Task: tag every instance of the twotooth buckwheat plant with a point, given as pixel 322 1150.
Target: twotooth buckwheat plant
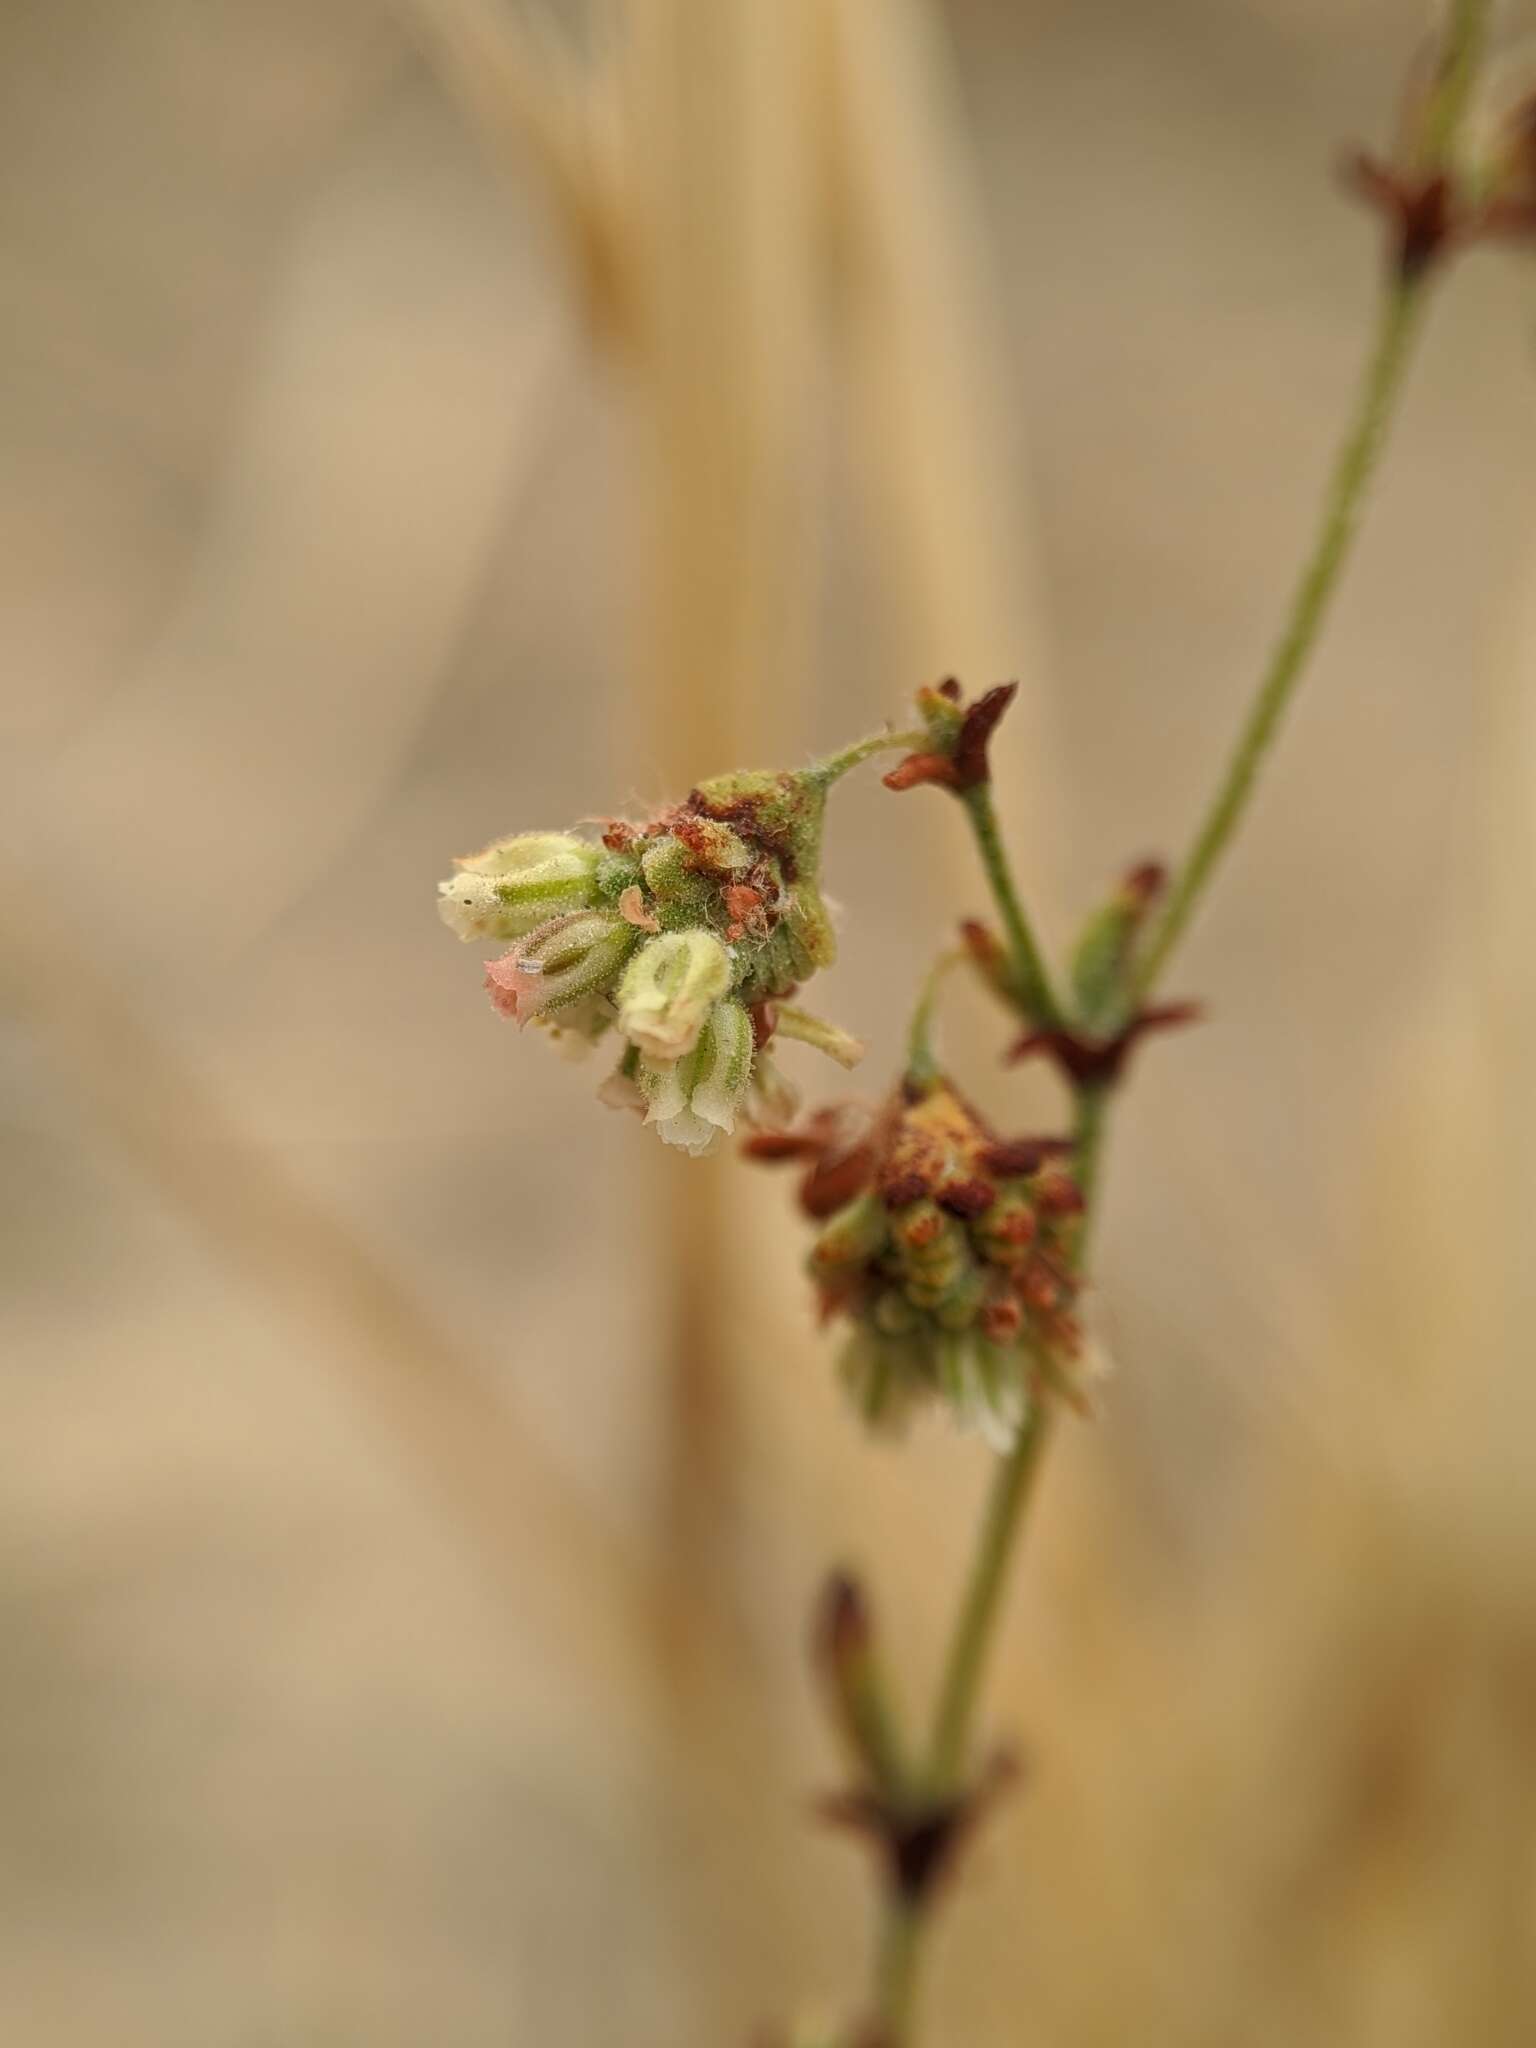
pixel 951 1256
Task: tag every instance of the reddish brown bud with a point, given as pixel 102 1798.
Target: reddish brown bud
pixel 741 899
pixel 843 1630
pixel 1059 1195
pixel 1145 883
pixel 967 1197
pixel 1002 1318
pixel 1012 1157
pixel 920 1230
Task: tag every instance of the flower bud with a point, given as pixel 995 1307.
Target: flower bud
pixel 844 1650
pixel 515 885
pixel 856 1234
pixel 563 962
pixel 1102 954
pixel 952 1252
pixel 678 886
pixel 668 989
pixel 692 1100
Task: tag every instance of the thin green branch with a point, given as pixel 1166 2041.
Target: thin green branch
pixel 1011 1490
pixel 922 1061
pixel 896 1972
pixel 978 1612
pixel 1013 1484
pixel 975 1628
pixel 1400 310
pixel 828 769
pixel 1030 971
pixel 1398 323
pixel 1461 57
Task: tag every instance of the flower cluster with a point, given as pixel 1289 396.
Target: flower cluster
pixel 679 939
pixel 949 1250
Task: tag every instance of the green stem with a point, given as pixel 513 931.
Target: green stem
pixel 1397 326
pixel 1003 1517
pixel 1031 973
pixel 1466 37
pixel 828 769
pixel 896 1972
pixel 1088 1132
pixel 922 1062
pixel 1012 1488
pixel 978 1613
pixel 1013 1484
pixel 1401 306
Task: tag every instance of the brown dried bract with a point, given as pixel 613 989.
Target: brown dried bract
pixel 964 763
pixel 1101 1061
pixel 918 1841
pixel 838 1146
pixel 1418 206
pixel 976 730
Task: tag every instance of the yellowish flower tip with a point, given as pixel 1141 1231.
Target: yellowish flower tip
pixel 511 887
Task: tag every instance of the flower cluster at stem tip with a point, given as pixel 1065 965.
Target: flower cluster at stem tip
pixel 949 1251
pixel 678 940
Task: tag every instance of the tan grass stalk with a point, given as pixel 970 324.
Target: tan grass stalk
pixel 537 104
pixel 588 1596
pixel 936 454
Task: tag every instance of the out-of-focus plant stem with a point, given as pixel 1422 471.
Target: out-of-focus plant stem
pixel 1002 1521
pixel 1030 972
pixel 1401 307
pixel 1398 323
pixel 1399 319
pixel 896 1972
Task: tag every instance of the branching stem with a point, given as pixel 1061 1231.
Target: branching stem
pixel 943 1772
pixel 831 766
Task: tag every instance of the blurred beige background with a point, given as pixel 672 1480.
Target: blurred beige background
pixel 412 1488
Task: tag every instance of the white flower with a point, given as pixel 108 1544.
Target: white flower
pixel 694 1100
pixel 668 989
